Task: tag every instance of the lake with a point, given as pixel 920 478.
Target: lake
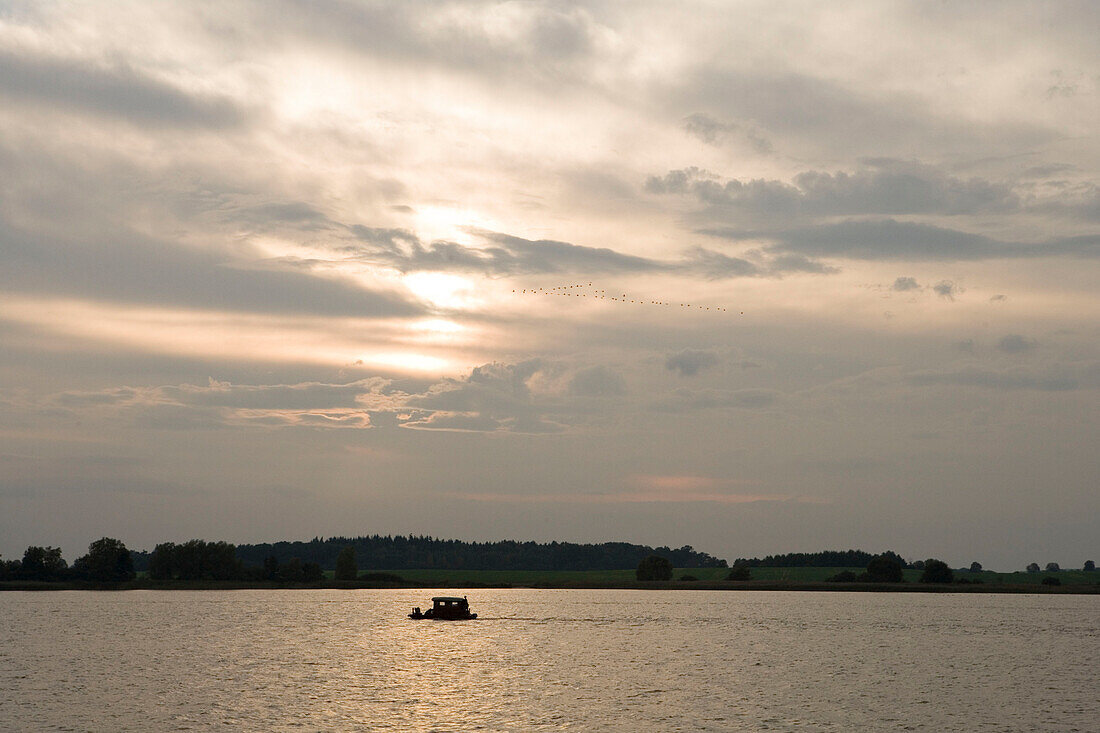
pixel 583 660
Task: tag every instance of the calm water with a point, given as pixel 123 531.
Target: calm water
pixel 548 660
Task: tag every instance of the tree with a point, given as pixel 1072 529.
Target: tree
pixel 1052 567
pixel 195 560
pixel 654 567
pixel 975 567
pixel 107 561
pixel 1033 567
pixel 292 571
pixel 9 569
pixel 739 571
pixel 1089 566
pixel 42 563
pixel 346 569
pixel 271 568
pixel 936 571
pixel 162 562
pixel 884 569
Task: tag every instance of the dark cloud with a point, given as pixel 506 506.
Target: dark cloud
pixel 888 239
pixel 1014 343
pixel 510 255
pixel 135 269
pixel 296 212
pixel 904 284
pixel 507 255
pixel 1046 171
pixel 883 186
pixel 882 239
pixel 117 91
pixel 946 289
pixel 596 381
pixel 690 362
pixel 462 422
pixel 714 132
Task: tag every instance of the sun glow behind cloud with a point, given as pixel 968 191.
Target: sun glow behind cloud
pixel 244 337
pixel 443 290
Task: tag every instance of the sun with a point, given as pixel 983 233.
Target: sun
pixel 441 289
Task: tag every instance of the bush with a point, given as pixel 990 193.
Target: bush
pixel 654 567
pixel 688 577
pixel 884 569
pixel 936 571
pixel 1051 580
pixel 739 572
pixel 844 576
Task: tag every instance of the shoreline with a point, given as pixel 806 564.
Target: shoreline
pixel 709 585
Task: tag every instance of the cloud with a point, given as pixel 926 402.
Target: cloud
pixel 946 289
pixel 532 396
pixel 682 400
pixel 541 45
pixel 883 187
pixel 1058 380
pixel 130 268
pixel 690 362
pixel 505 255
pixel 222 404
pixel 714 132
pixel 817 112
pixel 511 255
pixel 630 497
pixel 119 91
pixel 905 284
pixel 889 239
pixel 1014 343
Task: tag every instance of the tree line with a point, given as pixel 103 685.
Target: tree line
pixel 399 552
pixel 824 559
pixel 107 561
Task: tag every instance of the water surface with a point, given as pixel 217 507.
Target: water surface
pixel 584 660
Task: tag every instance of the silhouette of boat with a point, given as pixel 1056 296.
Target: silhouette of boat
pixel 446 608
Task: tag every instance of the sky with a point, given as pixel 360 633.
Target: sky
pixel 756 277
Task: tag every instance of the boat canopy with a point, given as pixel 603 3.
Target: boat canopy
pixel 447 599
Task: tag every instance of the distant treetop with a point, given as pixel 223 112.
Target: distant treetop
pixel 823 559
pixel 402 552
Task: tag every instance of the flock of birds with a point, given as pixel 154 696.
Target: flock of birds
pixel 585 291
